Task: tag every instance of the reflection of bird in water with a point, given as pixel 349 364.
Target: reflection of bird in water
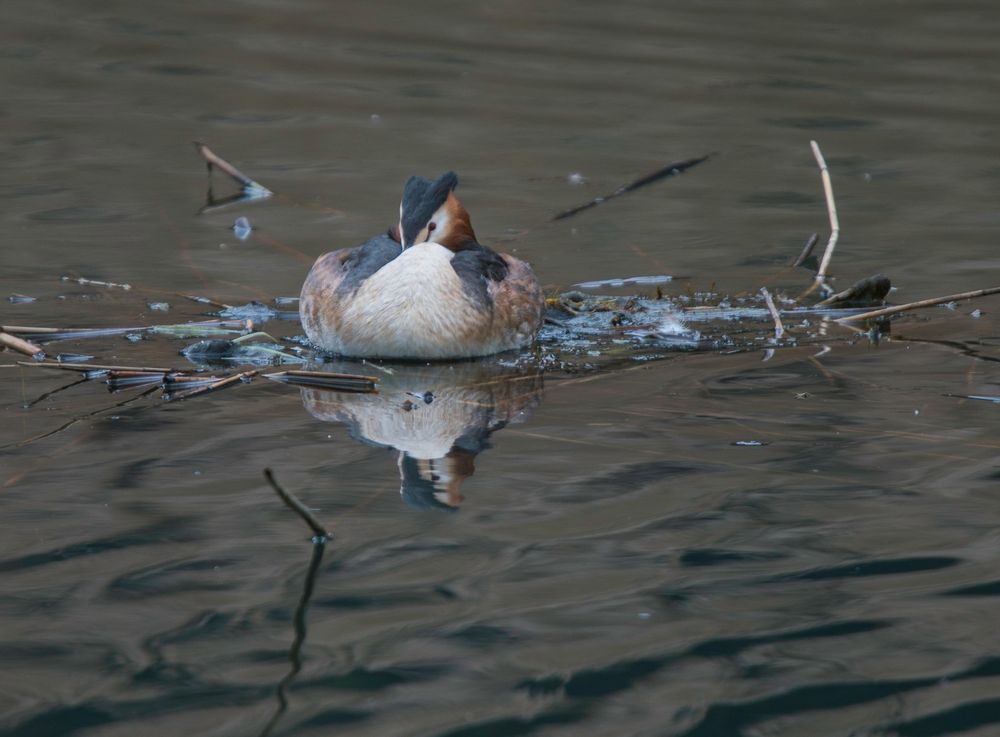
pixel 438 416
pixel 427 289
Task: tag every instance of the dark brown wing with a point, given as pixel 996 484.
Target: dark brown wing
pixel 317 303
pixel 478 266
pixel 335 276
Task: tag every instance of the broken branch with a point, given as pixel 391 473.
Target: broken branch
pixel 921 303
pixel 86 367
pixel 21 346
pixel 249 186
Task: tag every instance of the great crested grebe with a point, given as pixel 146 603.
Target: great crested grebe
pixel 426 289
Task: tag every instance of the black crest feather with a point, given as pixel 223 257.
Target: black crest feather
pixel 421 199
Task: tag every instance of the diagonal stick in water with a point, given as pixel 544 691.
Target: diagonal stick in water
pixel 669 170
pixel 296 506
pixel 920 303
pixel 249 186
pixel 21 346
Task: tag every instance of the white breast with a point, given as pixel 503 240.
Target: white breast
pixel 414 306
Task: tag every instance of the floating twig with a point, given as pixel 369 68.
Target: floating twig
pixel 24 329
pixel 831 208
pixel 249 189
pixel 128 379
pixel 921 303
pixel 980 397
pixel 779 328
pixel 176 380
pixel 200 328
pixel 21 346
pixel 667 171
pixel 95 282
pixel 242 377
pixel 298 507
pixel 87 367
pixel 205 301
pixel 79 333
pixel 326 380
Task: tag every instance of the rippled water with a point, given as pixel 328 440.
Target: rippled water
pixel 707 544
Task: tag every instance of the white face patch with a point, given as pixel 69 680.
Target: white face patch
pixel 442 222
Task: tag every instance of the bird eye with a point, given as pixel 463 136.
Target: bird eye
pixel 431 227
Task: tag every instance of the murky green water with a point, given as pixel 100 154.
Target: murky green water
pixel 705 545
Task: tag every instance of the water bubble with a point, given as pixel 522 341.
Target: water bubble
pixel 242 228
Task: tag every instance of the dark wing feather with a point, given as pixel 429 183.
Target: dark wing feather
pixel 477 266
pixel 366 259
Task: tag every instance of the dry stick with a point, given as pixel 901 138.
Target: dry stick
pixel 94 282
pixel 212 159
pixel 831 208
pixel 21 346
pixel 779 328
pixel 94 367
pixel 220 384
pixel 204 301
pixel 326 380
pixel 26 329
pixel 922 303
pixel 296 506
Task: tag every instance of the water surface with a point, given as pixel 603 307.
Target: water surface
pixel 706 544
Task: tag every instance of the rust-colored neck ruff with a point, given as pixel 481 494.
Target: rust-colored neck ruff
pixel 460 232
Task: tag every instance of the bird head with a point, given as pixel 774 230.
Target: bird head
pixel 430 213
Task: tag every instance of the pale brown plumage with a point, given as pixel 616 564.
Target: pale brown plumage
pixel 438 294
